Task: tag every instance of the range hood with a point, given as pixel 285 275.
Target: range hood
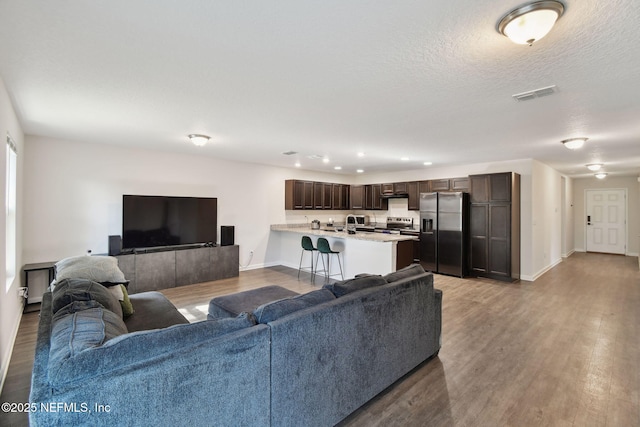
pixel 394 195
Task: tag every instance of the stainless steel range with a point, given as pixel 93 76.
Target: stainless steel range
pixel 399 225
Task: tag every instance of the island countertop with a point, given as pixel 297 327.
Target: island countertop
pixel 370 236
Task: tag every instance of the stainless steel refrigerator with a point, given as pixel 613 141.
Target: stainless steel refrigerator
pixel 444 235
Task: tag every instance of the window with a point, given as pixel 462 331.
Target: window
pixel 10 203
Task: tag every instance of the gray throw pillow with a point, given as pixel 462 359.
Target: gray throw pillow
pixel 70 290
pixel 356 284
pixel 101 269
pixel 274 310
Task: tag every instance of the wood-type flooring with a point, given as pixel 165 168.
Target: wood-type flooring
pixel 561 351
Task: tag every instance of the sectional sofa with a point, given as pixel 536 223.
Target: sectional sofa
pixel 307 360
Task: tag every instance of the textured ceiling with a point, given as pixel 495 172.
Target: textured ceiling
pixel 431 81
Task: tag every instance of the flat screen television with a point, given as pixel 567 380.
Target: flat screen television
pixel 153 221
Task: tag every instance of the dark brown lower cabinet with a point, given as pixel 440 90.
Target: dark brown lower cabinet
pixel 404 253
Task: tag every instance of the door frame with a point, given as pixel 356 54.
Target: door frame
pixel 626 217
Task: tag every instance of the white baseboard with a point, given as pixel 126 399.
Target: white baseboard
pixel 541 272
pixel 569 254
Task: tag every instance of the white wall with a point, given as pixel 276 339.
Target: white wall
pixel 10 302
pixel 73 199
pixel 568 214
pixel 546 222
pixel 631 184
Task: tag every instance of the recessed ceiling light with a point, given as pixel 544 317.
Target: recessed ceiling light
pixel 337 168
pixel 360 170
pixel 198 139
pixel 601 175
pixel 574 143
pixel 297 164
pixel 427 163
pixel 361 154
pixel 404 159
pixel 594 166
pixel 325 160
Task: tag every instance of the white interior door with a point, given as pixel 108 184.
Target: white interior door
pixel 606 221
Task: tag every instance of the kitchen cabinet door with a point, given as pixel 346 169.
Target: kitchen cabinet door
pixel 414 196
pixel 356 197
pixel 298 194
pixel 440 185
pixel 459 184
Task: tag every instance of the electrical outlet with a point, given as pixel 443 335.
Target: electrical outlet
pixel 23 292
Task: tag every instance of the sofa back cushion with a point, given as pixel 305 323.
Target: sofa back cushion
pixel 345 287
pixel 274 310
pixel 403 273
pixel 79 326
pixel 70 290
pixel 138 349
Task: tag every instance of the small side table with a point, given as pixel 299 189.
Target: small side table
pixel 40 266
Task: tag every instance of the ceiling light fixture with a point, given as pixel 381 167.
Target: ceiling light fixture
pixel 360 170
pixel 325 160
pixel 427 163
pixel 574 143
pixel 297 164
pixel 531 22
pixel 601 175
pixel 199 140
pixel 404 159
pixel 337 168
pixel 594 166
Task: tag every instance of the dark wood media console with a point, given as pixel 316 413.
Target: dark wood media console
pixel 153 271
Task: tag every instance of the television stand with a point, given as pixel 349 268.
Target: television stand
pixel 172 266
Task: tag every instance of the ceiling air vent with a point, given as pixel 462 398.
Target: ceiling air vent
pixel 536 93
pixel 290 153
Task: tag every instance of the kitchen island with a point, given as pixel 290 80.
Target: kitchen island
pixel 363 252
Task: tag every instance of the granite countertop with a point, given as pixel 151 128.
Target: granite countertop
pixel 331 232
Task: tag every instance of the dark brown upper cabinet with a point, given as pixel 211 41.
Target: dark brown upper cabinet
pixel 414 196
pixel 356 197
pixel 298 194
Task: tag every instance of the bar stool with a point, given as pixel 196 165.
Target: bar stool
pixel 325 249
pixel 307 246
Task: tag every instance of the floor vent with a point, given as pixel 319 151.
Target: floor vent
pixel 536 93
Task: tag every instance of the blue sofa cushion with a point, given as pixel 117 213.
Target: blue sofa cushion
pixel 80 326
pixel 70 290
pixel 245 302
pixel 345 287
pixel 408 271
pixel 274 310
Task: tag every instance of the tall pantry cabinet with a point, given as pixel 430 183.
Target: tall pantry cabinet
pixel 495 225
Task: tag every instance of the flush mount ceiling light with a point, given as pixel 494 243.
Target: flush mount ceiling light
pixel 531 22
pixel 594 166
pixel 199 140
pixel 574 143
pixel 601 175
